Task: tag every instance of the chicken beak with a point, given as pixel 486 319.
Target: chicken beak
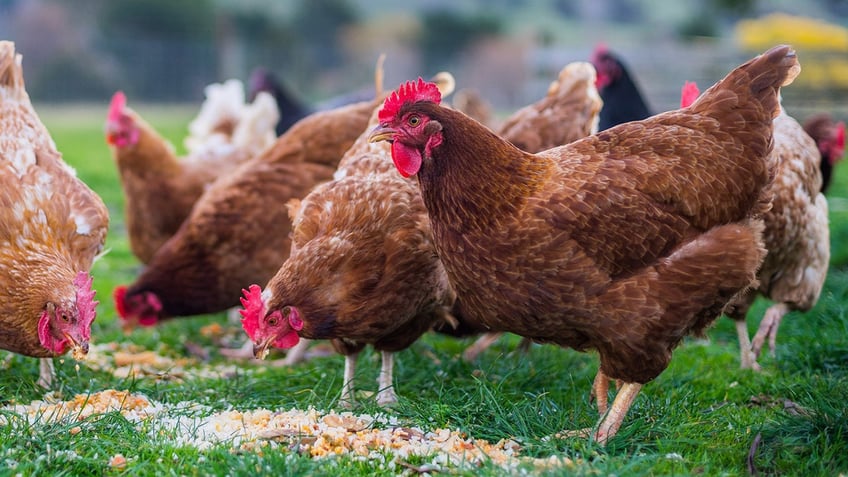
pixel 381 133
pixel 79 350
pixel 261 350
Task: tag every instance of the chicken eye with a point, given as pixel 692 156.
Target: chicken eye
pixel 414 121
pixel 273 320
pixel 65 317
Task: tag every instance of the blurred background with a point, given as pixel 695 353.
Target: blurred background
pixel 166 51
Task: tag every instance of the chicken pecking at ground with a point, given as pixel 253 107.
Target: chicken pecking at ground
pixel 52 226
pixel 623 242
pixel 362 268
pixel 622 98
pixel 239 230
pixel 159 188
pixel 796 236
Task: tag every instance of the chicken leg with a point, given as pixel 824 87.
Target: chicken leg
pixel 747 358
pixel 768 328
pixel 385 388
pixel 347 385
pixel 46 373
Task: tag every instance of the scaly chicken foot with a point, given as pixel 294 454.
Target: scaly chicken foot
pixel 747 358
pixel 611 422
pixel 386 390
pixel 768 328
pixel 45 373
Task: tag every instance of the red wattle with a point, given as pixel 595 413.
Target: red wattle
pixel 407 160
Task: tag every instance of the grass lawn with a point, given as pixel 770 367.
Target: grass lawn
pixel 701 416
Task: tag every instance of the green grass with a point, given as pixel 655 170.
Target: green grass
pixel 699 417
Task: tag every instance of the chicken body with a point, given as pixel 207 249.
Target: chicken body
pixel 52 226
pixel 796 236
pixel 159 188
pixel 568 112
pixel 624 242
pixel 238 232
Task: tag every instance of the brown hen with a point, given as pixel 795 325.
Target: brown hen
pixel 623 242
pixel 52 226
pixel 796 236
pixel 362 268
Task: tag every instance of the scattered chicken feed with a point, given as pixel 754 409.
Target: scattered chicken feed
pixel 311 432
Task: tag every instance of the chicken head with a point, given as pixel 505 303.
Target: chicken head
pixel 67 323
pixel 278 328
pixel 142 308
pixel 121 130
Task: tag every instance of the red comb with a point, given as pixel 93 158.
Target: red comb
pixel 840 135
pixel 253 310
pixel 411 91
pixel 119 295
pixel 689 94
pixel 116 107
pixel 85 303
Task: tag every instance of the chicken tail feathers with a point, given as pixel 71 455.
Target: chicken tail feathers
pixel 753 85
pixel 11 72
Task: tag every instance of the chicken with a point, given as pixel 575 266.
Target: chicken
pixel 52 226
pixel 238 232
pixel 568 112
pixel 159 188
pixel 796 236
pixel 622 98
pixel 623 242
pixel 362 268
pixel 830 139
